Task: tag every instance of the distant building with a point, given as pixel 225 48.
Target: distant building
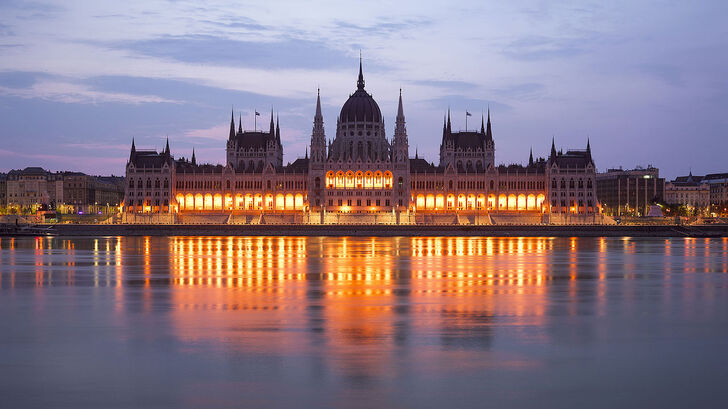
pixel 691 191
pixel 630 192
pixel 3 190
pixel 81 190
pixel 718 183
pixel 34 187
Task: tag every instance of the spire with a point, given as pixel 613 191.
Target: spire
pixel 166 148
pixel 278 130
pixel 530 157
pixel 588 149
pixel 488 132
pixel 232 124
pixel 417 155
pixel 240 124
pixel 360 81
pixel 306 157
pixel 133 148
pixel 272 124
pixel 400 110
pixel 449 125
pixel 553 148
pixel 318 105
pixel 482 126
pixel 194 161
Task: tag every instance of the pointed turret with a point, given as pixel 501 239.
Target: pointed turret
pixel 400 111
pixel 194 161
pixel 553 148
pixel 449 125
pixel 530 158
pixel 133 149
pixel 306 157
pixel 488 131
pixel 272 125
pixel 360 81
pixel 278 130
pixel 240 124
pixel 166 147
pixel 588 149
pixel 232 125
pixel 318 107
pixel 399 127
pixel 482 124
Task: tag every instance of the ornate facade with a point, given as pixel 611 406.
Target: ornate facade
pixel 363 176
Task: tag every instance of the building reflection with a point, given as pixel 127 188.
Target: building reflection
pixel 363 303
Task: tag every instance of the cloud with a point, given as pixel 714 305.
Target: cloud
pixel 74 93
pixel 534 48
pixel 449 85
pixel 207 49
pixel 524 91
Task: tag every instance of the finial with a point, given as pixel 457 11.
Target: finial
pixel 360 81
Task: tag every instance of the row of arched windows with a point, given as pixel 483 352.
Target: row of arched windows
pixel 140 183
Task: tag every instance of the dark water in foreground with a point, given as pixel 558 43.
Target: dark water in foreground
pixel 363 322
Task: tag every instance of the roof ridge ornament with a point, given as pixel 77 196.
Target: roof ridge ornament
pixel 360 81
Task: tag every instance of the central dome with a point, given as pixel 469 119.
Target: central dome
pixel 360 107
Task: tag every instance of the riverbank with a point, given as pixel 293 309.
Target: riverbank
pixel 389 230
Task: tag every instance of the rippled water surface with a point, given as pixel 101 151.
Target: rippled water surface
pixel 196 322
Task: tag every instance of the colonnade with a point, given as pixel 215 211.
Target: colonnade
pixel 491 202
pixel 250 201
pixel 359 180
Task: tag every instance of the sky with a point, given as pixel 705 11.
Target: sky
pixel 644 81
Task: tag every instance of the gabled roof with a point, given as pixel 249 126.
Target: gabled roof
pixel 252 139
pixel 300 165
pixel 572 159
pixel 149 159
pixel 184 166
pixel 419 165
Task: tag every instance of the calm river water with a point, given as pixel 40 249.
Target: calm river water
pixel 198 322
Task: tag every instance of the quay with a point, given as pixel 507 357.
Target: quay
pixel 698 231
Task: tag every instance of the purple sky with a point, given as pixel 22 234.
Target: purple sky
pixel 645 81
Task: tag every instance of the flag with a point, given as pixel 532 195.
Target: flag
pixel 468 113
pixel 257 113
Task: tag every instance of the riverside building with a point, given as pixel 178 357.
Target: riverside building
pixel 361 176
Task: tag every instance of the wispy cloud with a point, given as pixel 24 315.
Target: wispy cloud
pixel 72 93
pixel 208 49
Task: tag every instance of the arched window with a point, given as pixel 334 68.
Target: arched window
pixel 227 184
pixel 491 185
pixel 563 183
pixel 451 184
pixel 140 183
pixel 588 184
pixel 581 183
pixel 131 183
pixel 553 183
pixel 156 184
pixel 166 183
pixel 269 184
pixel 571 183
pixel 149 183
pixel 317 182
pixel 400 182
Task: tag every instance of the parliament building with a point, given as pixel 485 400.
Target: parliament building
pixel 361 176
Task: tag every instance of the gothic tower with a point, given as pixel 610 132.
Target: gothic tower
pixel 400 159
pixel 317 159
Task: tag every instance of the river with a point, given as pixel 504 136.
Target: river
pixel 330 322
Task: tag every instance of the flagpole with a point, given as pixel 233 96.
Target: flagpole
pixel 466 121
pixel 255 120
